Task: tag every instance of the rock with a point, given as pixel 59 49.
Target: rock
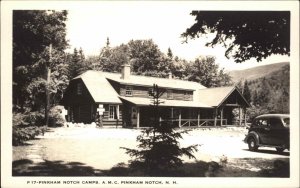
pixel 213 168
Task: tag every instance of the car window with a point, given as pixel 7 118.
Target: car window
pixel 275 123
pixel 260 122
pixel 286 122
pixel 264 122
pixel 257 123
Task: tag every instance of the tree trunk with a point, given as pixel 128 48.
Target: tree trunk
pixel 47 86
pixel 47 96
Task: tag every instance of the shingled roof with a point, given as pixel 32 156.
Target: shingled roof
pixel 102 91
pixel 149 81
pixel 99 88
pixel 171 103
pixel 216 96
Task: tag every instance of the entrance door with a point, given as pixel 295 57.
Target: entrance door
pixel 146 116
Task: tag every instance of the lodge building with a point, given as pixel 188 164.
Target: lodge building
pixel 124 100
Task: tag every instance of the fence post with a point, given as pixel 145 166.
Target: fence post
pixel 198 117
pixel 245 109
pixel 221 123
pixel 179 122
pixel 215 118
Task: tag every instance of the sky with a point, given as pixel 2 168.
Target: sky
pixel 89 29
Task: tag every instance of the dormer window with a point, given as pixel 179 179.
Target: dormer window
pixel 128 91
pixel 186 95
pixel 150 92
pixel 169 94
pixel 79 89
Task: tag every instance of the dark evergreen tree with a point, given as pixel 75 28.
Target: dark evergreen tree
pixel 74 64
pixel 159 152
pixel 170 53
pixel 255 99
pixel 105 58
pixel 247 93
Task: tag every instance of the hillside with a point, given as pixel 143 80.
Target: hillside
pixel 256 72
pixel 270 93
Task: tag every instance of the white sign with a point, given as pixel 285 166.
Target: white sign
pixel 100 109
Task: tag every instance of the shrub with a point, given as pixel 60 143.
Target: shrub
pixel 26 126
pixel 35 118
pixel 55 117
pixel 28 119
pixel 23 134
pixel 19 120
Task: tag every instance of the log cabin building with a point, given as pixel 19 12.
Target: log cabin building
pixel 124 100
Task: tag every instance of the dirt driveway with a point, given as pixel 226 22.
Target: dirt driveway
pixel 100 147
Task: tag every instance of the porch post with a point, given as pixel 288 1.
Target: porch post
pixel 189 117
pixel 245 109
pixel 198 117
pixel 69 114
pixel 172 114
pixel 221 116
pixel 118 111
pixel 216 114
pixel 240 118
pixel 179 122
pixel 137 117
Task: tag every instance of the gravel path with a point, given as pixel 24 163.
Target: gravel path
pixel 100 147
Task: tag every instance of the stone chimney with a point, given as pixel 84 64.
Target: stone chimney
pixel 125 74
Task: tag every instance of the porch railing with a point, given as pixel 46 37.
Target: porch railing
pixel 195 122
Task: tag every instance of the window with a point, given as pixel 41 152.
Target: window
pixel 113 112
pixel 150 92
pixel 169 94
pixel 128 91
pixel 186 95
pixel 79 89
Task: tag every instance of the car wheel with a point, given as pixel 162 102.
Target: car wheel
pixel 280 150
pixel 252 145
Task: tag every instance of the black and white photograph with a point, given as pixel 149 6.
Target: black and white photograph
pixel 150 94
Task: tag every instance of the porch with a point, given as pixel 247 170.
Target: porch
pixel 190 117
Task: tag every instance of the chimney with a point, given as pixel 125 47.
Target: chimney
pixel 170 75
pixel 125 74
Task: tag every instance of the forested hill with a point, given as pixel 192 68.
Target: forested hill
pixel 270 93
pixel 256 72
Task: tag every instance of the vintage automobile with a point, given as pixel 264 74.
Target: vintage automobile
pixel 269 130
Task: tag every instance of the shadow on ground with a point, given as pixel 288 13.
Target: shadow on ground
pixel 266 151
pixel 256 167
pixel 238 168
pixel 27 167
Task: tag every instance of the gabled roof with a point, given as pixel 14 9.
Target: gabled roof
pixel 149 81
pixel 139 101
pixel 99 88
pixel 103 92
pixel 216 96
